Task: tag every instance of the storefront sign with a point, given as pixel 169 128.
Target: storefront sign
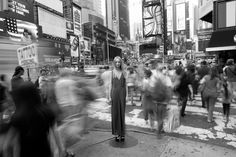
pixel 28 56
pixel 21 9
pixel 77 21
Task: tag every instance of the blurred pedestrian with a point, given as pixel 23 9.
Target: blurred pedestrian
pixel 31 123
pixel 230 73
pixel 211 83
pixel 161 92
pixel 17 80
pixel 118 99
pixel 6 101
pixel 202 71
pixel 183 88
pixel 131 83
pixel 42 78
pixel 147 102
pixel 227 96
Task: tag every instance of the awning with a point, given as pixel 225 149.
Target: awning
pixel 222 41
pixel 207 17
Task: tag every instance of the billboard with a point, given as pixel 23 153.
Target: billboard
pixel 48 25
pixel 74 42
pixel 151 19
pixel 18 30
pixel 180 17
pixel 169 18
pixel 21 9
pixel 56 5
pixel 77 21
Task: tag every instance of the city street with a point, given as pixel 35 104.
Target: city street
pixel 195 135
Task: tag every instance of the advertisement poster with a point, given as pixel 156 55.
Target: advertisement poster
pixel 77 21
pixel 180 17
pixel 28 56
pixel 74 42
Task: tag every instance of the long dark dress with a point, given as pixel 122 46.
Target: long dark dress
pixel 118 99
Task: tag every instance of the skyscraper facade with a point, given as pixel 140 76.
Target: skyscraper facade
pixel 117 17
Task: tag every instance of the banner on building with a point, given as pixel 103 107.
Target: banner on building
pixel 28 56
pixel 77 21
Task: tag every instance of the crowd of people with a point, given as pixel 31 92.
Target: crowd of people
pixel 34 112
pixel 31 112
pixel 160 83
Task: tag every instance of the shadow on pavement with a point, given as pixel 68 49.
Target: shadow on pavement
pixel 129 142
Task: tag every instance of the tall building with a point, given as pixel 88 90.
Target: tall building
pixel 97 6
pixel 205 27
pixel 117 17
pixel 182 25
pixel 135 15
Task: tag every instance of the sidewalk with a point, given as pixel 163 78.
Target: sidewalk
pixel 101 143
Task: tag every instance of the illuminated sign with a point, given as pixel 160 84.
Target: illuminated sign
pixel 21 9
pixel 77 21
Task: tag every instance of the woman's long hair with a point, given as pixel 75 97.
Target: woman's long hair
pixel 122 63
pixel 213 73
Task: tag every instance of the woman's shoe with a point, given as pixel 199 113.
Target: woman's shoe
pixel 117 138
pixel 122 138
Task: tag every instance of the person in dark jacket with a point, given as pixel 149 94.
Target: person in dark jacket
pixel 32 121
pixel 16 78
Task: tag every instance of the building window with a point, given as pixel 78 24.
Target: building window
pixel 226 14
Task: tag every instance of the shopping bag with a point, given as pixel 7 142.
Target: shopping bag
pixel 173 119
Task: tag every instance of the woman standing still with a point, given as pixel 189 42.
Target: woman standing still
pixel 118 100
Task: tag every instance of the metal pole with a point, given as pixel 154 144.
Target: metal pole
pixel 164 27
pixel 108 53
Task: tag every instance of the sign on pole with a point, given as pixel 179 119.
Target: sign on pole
pixel 28 56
